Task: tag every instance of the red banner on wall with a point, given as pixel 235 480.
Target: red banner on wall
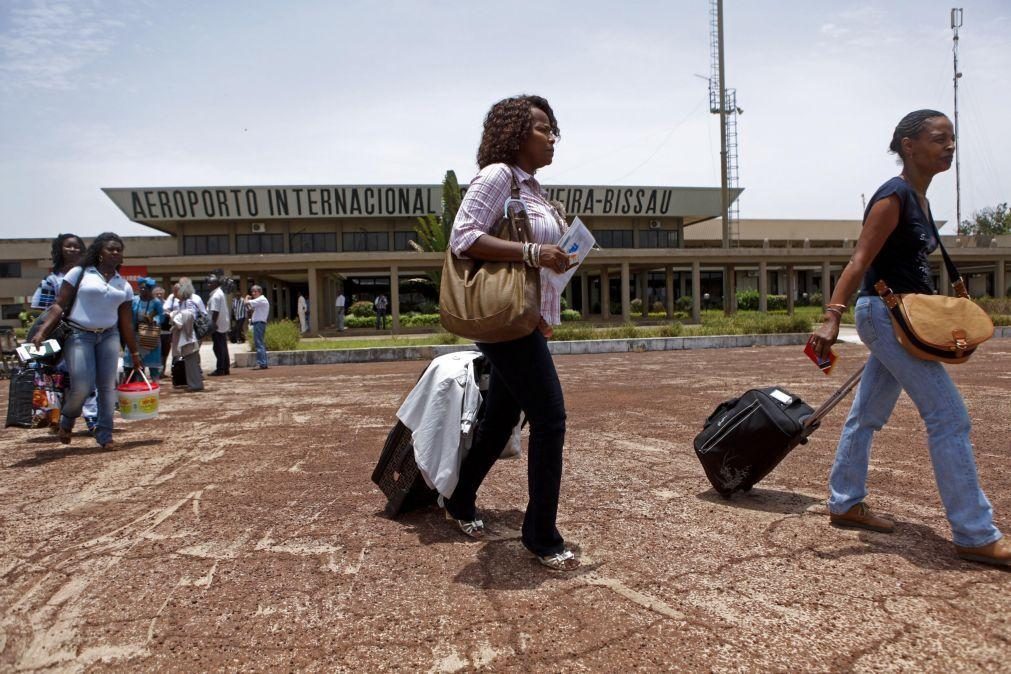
pixel 131 274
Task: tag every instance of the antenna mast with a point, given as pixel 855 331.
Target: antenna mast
pixel 956 23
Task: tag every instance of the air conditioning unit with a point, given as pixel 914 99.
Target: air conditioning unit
pixel 654 224
pixel 258 227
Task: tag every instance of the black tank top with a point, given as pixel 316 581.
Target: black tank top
pixel 903 261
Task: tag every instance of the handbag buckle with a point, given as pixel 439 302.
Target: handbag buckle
pixel 960 340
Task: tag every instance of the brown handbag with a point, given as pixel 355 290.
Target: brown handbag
pixel 937 327
pixel 492 301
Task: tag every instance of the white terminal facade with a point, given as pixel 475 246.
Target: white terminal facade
pixel 657 243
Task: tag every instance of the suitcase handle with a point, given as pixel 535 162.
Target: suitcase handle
pixel 812 421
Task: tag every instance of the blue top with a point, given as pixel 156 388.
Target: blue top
pixel 45 294
pixel 97 304
pixel 151 308
pixel 903 260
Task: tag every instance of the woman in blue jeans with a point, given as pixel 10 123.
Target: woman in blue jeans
pixel 101 310
pixel 519 138
pixel 898 235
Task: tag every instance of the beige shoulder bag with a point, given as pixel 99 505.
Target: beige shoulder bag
pixel 492 301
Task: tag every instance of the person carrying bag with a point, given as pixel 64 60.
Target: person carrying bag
pixel 891 260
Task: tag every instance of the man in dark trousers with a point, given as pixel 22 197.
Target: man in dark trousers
pixel 217 306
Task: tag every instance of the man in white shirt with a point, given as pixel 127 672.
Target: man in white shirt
pixel 259 309
pixel 340 311
pixel 381 304
pixel 217 305
pixel 303 314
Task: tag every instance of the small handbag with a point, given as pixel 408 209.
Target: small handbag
pixel 61 331
pixel 492 301
pixel 148 334
pixel 937 327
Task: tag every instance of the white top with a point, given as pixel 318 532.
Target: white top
pixel 261 309
pixel 340 300
pixel 302 305
pixel 219 303
pixel 96 306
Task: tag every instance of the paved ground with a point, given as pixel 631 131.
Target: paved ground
pixel 240 531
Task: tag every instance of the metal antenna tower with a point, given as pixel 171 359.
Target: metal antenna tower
pixel 956 23
pixel 723 101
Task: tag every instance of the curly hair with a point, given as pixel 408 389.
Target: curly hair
pixel 90 258
pixel 911 126
pixel 56 254
pixel 507 125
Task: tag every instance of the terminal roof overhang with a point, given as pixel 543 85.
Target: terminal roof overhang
pixel 165 208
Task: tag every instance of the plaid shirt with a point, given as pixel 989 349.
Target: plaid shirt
pixel 481 211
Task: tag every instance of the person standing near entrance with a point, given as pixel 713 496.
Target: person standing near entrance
pixel 303 314
pixel 340 310
pixel 238 335
pixel 217 305
pixel 381 305
pixel 259 309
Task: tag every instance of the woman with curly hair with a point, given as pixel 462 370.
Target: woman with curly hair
pixel 101 311
pixel 519 138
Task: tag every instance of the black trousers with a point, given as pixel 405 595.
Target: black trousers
pixel 220 342
pixel 523 377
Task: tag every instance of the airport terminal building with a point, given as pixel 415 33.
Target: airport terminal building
pixel 656 243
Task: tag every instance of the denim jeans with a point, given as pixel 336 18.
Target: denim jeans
pixel 523 377
pixel 93 361
pixel 259 333
pixel 890 370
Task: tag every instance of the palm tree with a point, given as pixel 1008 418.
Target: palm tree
pixel 432 230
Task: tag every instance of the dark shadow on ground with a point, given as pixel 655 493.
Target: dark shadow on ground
pixel 765 500
pixel 66 451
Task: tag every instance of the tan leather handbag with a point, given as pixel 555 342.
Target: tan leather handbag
pixel 937 327
pixel 492 301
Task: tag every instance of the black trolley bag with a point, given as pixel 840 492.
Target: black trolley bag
pixel 745 438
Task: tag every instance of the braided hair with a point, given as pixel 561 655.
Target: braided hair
pixel 910 126
pixel 56 254
pixel 507 125
pixel 90 258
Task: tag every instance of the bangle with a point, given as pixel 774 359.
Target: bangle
pixel 833 309
pixel 841 307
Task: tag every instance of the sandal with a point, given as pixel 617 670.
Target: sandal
pixel 64 435
pixel 474 528
pixel 560 561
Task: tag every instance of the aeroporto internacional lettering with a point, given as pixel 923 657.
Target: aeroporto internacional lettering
pixel 656 243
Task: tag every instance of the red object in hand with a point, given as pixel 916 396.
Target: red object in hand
pixel 825 365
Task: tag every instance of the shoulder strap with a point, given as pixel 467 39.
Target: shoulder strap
pixel 953 276
pixel 73 299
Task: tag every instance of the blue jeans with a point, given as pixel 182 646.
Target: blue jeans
pixel 93 362
pixel 890 370
pixel 259 331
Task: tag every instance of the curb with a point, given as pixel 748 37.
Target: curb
pixel 639 345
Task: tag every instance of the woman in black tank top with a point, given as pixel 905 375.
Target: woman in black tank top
pixel 897 238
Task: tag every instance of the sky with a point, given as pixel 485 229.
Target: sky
pixel 159 93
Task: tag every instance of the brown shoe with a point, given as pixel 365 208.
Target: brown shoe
pixel 860 517
pixel 997 553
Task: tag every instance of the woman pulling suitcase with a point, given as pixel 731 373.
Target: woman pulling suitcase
pixel 898 235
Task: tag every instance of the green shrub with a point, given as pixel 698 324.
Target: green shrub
pixel 995 305
pixel 637 306
pixel 814 300
pixel 674 329
pixel 413 320
pixel 683 303
pixel 658 308
pixel 571 315
pixel 447 337
pixel 565 303
pixel 775 302
pixel 362 309
pixel 282 335
pixel 428 308
pixel 353 321
pixel 571 333
pixel 747 300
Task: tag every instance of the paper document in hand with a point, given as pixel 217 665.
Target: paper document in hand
pixel 577 242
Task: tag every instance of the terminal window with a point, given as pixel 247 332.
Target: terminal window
pixel 358 242
pixel 658 238
pixel 314 242
pixel 400 240
pixel 614 238
pixel 10 270
pixel 205 244
pixel 11 312
pixel 259 243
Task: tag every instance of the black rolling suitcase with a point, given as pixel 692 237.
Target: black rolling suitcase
pixel 745 438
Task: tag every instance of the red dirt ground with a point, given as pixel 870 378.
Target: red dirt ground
pixel 240 530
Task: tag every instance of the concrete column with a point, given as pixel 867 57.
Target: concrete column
pixel 643 291
pixel 626 294
pixel 683 283
pixel 395 298
pixel 605 294
pixel 568 293
pixel 999 280
pixel 826 283
pixel 763 286
pixel 315 300
pixel 945 288
pixel 791 288
pixel 729 290
pixel 696 292
pixel 668 277
pixel 584 294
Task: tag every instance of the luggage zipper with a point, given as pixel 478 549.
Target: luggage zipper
pixel 733 423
